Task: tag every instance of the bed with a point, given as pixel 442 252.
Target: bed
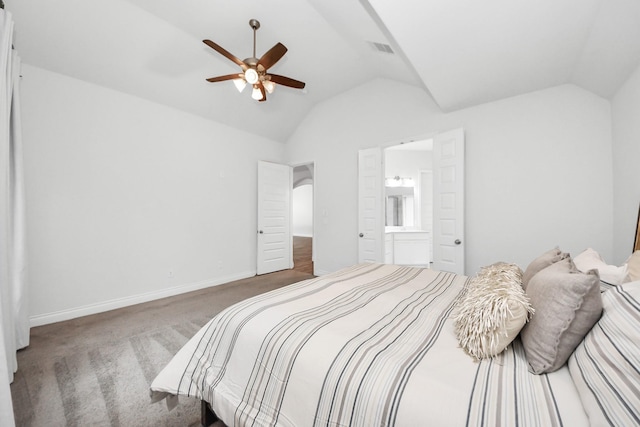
pixel 378 345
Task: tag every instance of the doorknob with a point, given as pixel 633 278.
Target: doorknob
pixel 457 241
pixel 361 235
pixel 260 231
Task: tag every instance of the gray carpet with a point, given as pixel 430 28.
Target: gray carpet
pixel 96 370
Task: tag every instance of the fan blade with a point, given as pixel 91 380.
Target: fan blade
pixel 223 78
pixel 286 81
pixel 222 51
pixel 272 56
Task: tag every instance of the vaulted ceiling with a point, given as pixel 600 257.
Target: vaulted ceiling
pixel 462 52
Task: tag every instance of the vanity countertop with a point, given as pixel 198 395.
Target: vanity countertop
pixel 403 230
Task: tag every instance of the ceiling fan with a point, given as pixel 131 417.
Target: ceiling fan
pixel 254 70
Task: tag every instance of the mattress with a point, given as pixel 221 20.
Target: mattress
pixel 369 345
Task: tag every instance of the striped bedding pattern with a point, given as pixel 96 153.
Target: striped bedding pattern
pixel 369 345
pixel 606 365
pixel 505 379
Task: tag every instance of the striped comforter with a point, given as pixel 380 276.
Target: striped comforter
pixel 370 345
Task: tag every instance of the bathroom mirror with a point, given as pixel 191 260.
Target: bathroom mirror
pixel 399 206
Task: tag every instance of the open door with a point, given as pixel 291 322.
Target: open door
pixel 370 203
pixel 275 248
pixel 448 201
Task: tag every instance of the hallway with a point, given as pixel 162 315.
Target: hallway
pixel 302 260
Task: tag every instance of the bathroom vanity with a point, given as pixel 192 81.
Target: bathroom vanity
pixel 407 247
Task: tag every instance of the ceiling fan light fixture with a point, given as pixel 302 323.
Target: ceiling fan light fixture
pixel 256 94
pixel 255 71
pixel 251 76
pixel 240 84
pixel 269 86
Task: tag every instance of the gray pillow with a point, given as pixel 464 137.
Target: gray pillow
pixel 543 261
pixel 567 304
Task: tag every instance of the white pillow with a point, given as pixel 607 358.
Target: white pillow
pixel 492 311
pixel 589 259
pixel 633 267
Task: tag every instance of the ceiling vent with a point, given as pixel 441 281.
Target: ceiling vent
pixel 381 47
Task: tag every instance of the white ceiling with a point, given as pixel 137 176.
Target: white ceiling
pixel 463 52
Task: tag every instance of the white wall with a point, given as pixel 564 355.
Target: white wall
pixel 538 168
pixel 302 217
pixel 123 193
pixel 407 163
pixel 626 164
pixel 331 136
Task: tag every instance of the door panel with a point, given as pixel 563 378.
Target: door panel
pixel 370 214
pixel 448 201
pixel 274 250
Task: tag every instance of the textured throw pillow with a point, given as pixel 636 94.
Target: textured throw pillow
pixel 589 259
pixel 633 267
pixel 543 261
pixel 567 304
pixel 606 365
pixel 492 311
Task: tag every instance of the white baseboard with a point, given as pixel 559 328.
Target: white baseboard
pixel 317 272
pixel 72 313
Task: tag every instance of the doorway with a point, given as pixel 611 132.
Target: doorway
pixel 447 223
pixel 408 199
pixel 405 169
pixel 302 217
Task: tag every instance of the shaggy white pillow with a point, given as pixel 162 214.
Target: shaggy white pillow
pixel 492 311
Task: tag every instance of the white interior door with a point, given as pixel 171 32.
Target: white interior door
pixel 275 247
pixel 370 213
pixel 448 201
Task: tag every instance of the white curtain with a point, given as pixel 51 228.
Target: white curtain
pixel 14 326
